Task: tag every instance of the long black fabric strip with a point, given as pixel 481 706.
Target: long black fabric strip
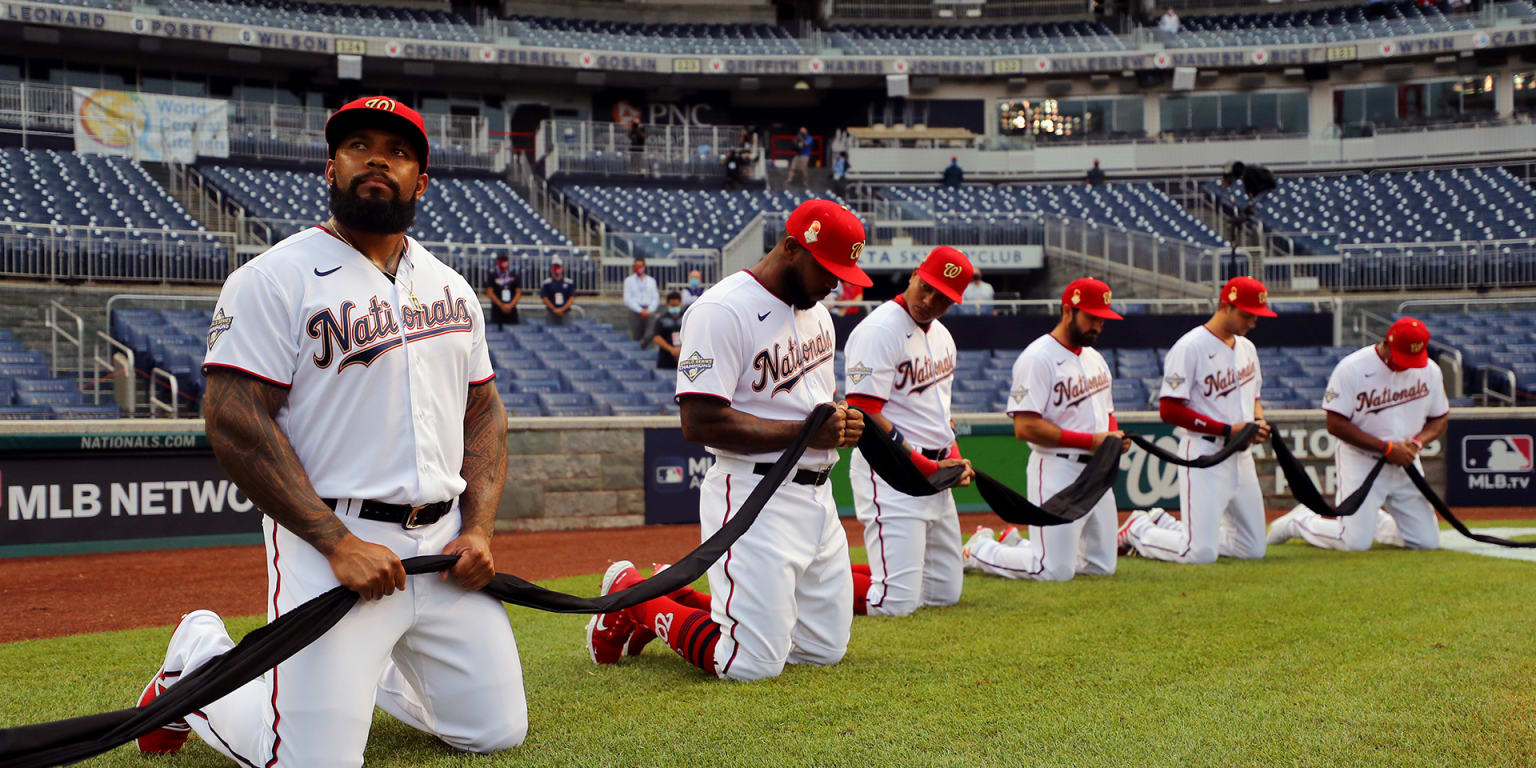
pixel 1070 503
pixel 1444 511
pixel 1306 493
pixel 1237 442
pixel 895 467
pixel 67 741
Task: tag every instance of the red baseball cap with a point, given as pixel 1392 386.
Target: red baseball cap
pixel 380 112
pixel 1408 343
pixel 1091 296
pixel 1247 294
pixel 833 235
pixel 947 270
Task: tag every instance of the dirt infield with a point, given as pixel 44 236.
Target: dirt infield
pixel 76 594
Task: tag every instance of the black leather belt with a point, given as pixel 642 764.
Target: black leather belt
pixel 937 454
pixel 1081 458
pixel 406 516
pixel 801 476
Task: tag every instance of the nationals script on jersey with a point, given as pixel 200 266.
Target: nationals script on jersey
pixel 891 358
pixel 379 385
pixel 745 346
pixel 1070 390
pixel 1217 381
pixel 1391 405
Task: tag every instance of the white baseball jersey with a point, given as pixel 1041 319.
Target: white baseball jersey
pixel 1391 405
pixel 379 384
pixel 1217 381
pixel 748 348
pixel 1068 389
pixel 378 388
pixel 891 358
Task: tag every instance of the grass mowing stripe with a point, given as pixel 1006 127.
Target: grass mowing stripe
pixel 1304 658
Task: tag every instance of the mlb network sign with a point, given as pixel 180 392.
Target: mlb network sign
pixel 674 470
pixel 1493 463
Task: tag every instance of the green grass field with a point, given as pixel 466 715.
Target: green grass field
pixel 1304 658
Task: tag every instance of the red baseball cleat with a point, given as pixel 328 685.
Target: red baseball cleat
pixel 609 633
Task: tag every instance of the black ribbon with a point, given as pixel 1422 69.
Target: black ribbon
pixel 895 467
pixel 1444 510
pixel 1069 504
pixel 1303 490
pixel 1237 442
pixel 67 741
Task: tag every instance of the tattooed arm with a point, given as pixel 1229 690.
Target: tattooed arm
pixel 239 415
pixel 485 475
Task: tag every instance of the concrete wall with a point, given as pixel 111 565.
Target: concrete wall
pixel 575 473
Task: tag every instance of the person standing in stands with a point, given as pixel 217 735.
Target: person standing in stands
pixel 669 333
pixel 1095 176
pixel 1169 23
pixel 840 173
pixel 695 287
pixel 504 288
pixel 954 176
pixel 977 295
pixel 558 294
pixel 801 163
pixel 636 144
pixel 642 296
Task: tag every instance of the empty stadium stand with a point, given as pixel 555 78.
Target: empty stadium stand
pixel 583 369
pixel 1489 341
pixel 1324 25
pixel 173 340
pixel 118 222
pixel 1412 229
pixel 654 222
pixel 333 18
pixel 28 389
pixel 955 40
pixel 477 218
pixel 960 212
pixel 706 39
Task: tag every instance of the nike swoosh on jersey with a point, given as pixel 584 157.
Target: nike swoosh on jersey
pixel 1368 375
pixel 318 273
pixel 1211 356
pixel 764 315
pixel 1059 362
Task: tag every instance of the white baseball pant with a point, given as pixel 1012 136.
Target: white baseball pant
pixel 1055 552
pixel 783 593
pixel 912 542
pixel 1406 518
pixel 1223 511
pixel 438 658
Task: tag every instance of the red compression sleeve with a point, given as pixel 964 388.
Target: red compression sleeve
pixel 954 450
pixel 1080 440
pixel 1113 424
pixel 866 403
pixel 1173 411
pixel 924 464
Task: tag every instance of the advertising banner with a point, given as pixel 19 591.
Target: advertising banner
pixel 991 258
pixel 674 470
pixel 102 493
pixel 1490 463
pixel 149 126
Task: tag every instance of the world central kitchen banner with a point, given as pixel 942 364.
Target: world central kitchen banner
pixel 150 126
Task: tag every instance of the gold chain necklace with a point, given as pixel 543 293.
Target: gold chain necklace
pixel 410 288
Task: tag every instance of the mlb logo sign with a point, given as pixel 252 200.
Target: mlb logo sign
pixel 669 474
pixel 1497 453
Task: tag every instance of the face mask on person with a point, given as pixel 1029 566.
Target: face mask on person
pixel 693 282
pixel 674 311
pixel 557 272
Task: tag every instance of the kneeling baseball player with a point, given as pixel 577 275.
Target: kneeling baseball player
pixel 1211 382
pixel 756 359
pixel 900 372
pixel 1384 400
pixel 1060 403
